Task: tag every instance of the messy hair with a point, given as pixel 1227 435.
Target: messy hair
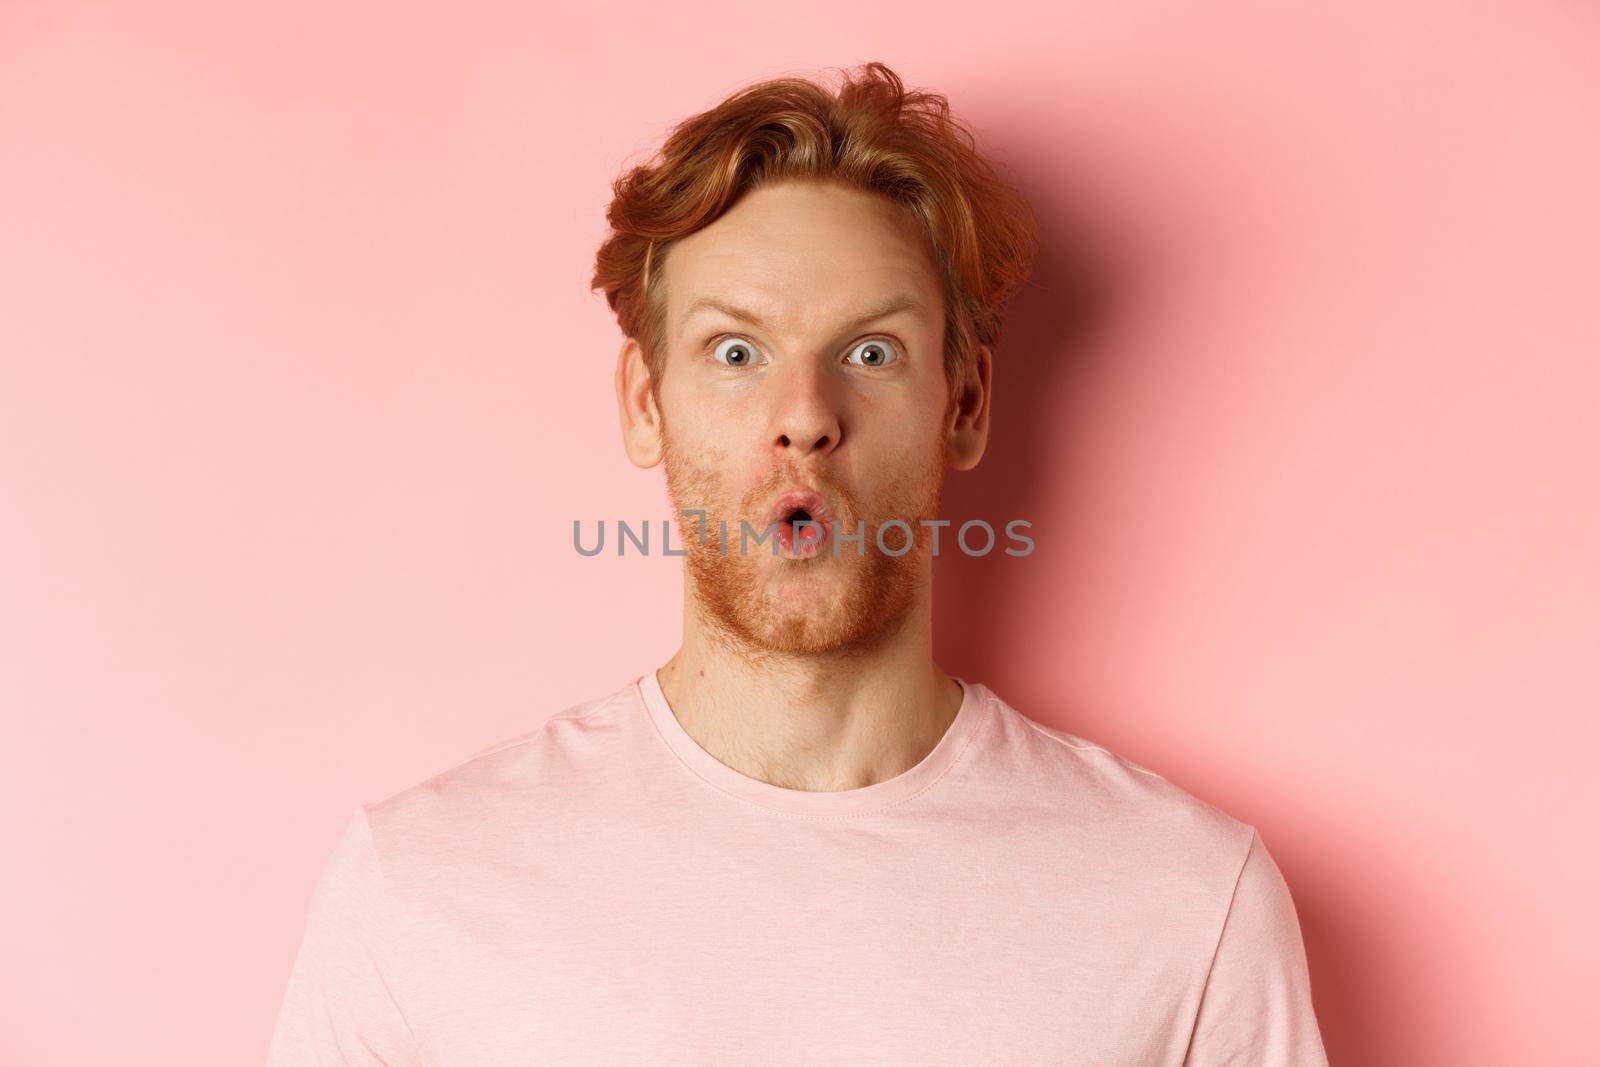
pixel 871 133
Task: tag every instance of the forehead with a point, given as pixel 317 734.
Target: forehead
pixel 801 251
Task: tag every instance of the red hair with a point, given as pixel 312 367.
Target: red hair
pixel 872 134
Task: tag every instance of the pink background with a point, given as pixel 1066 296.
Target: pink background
pixel 302 389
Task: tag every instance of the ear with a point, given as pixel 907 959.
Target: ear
pixel 636 407
pixel 969 411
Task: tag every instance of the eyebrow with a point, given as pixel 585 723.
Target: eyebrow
pixel 882 309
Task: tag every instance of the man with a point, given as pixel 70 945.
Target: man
pixel 800 840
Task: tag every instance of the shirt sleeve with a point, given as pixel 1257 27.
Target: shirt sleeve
pixel 341 1006
pixel 1256 1008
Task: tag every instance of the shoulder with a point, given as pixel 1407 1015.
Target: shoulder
pixel 1123 807
pixel 498 781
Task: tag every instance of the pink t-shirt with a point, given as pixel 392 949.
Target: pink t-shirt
pixel 604 891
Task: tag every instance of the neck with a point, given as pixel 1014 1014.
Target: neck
pixel 815 722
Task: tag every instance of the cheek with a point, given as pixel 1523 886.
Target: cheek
pixel 699 443
pixel 704 411
pixel 715 439
pixel 703 466
pixel 907 442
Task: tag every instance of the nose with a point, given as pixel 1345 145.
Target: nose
pixel 805 418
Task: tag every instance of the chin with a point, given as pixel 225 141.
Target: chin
pixel 832 624
pixel 811 606
pixel 799 635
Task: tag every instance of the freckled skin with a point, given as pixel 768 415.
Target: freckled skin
pixel 806 407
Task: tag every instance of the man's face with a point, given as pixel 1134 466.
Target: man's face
pixel 813 387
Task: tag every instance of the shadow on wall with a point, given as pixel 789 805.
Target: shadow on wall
pixel 999 618
pixel 1049 343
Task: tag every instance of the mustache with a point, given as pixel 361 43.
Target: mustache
pixel 757 498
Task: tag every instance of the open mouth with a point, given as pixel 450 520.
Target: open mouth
pixel 803 521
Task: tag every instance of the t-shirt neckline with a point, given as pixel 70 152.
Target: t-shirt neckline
pixel 866 798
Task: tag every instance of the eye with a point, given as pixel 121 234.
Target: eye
pixel 734 352
pixel 874 353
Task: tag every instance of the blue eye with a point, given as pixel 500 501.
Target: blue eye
pixel 734 352
pixel 874 353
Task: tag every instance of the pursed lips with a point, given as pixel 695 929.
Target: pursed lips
pixel 798 503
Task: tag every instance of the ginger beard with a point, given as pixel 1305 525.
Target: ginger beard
pixel 842 600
